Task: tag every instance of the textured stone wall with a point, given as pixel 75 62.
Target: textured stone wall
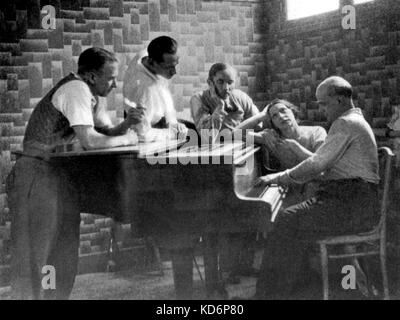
pixel 32 60
pixel 301 53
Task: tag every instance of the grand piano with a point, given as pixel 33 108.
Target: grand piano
pixel 169 187
pixel 175 192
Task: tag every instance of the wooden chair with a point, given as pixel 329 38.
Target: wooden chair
pixel 363 244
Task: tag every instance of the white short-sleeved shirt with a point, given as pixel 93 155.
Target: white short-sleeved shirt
pixel 76 102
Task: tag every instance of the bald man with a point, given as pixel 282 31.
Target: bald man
pixel 221 106
pixel 347 164
pixel 215 111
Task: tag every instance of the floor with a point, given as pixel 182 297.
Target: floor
pixel 136 285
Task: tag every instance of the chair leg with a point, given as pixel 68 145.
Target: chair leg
pixel 151 244
pixel 384 272
pixel 324 265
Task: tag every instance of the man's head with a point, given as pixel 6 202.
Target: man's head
pixel 163 57
pixel 222 77
pixel 334 95
pixel 99 69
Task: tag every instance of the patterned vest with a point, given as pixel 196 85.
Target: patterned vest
pixel 47 127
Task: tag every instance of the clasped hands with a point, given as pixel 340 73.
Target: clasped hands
pixel 136 117
pixel 178 130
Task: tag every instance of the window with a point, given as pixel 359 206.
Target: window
pixel 304 8
pixel 361 1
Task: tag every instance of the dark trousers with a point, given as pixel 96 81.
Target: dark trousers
pixel 340 207
pixel 44 229
pixel 236 253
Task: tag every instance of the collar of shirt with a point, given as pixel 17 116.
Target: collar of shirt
pixel 350 111
pixel 157 78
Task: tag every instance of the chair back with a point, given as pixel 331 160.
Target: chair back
pixel 385 171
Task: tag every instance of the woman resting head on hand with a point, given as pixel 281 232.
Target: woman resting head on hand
pixel 286 140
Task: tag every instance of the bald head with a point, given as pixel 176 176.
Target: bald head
pixel 334 95
pixel 336 86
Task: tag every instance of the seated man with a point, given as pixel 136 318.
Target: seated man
pixel 146 92
pixel 347 165
pixel 45 222
pixel 221 107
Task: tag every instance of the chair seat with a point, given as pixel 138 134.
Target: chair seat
pixel 376 237
pixel 353 238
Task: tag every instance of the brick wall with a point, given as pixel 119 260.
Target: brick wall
pixel 32 60
pixel 275 58
pixel 301 53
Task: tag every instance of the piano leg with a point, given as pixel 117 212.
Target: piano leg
pixel 182 269
pixel 211 266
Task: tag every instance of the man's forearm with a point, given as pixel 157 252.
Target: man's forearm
pixel 118 130
pixel 301 152
pixel 307 170
pixel 101 141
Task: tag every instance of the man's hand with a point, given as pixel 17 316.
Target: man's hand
pixel 219 113
pixel 136 115
pixel 280 178
pixel 131 138
pixel 179 130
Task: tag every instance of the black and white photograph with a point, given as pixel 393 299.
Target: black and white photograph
pixel 199 154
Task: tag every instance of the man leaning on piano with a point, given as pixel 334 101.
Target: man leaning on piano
pixel 45 222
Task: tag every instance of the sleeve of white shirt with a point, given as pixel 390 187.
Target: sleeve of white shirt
pixel 74 101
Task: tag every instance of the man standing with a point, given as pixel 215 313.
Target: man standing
pixel 146 92
pixel 222 108
pixel 148 98
pixel 347 165
pixel 45 221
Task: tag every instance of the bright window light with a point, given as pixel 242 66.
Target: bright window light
pixel 362 1
pixel 303 8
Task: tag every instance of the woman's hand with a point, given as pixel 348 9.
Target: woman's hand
pixel 290 144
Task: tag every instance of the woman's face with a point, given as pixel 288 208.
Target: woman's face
pixel 281 116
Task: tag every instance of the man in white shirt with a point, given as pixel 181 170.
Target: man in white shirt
pixel 146 92
pixel 347 164
pixel 148 99
pixel 45 221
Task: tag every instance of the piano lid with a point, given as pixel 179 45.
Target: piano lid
pixel 230 153
pixel 140 150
